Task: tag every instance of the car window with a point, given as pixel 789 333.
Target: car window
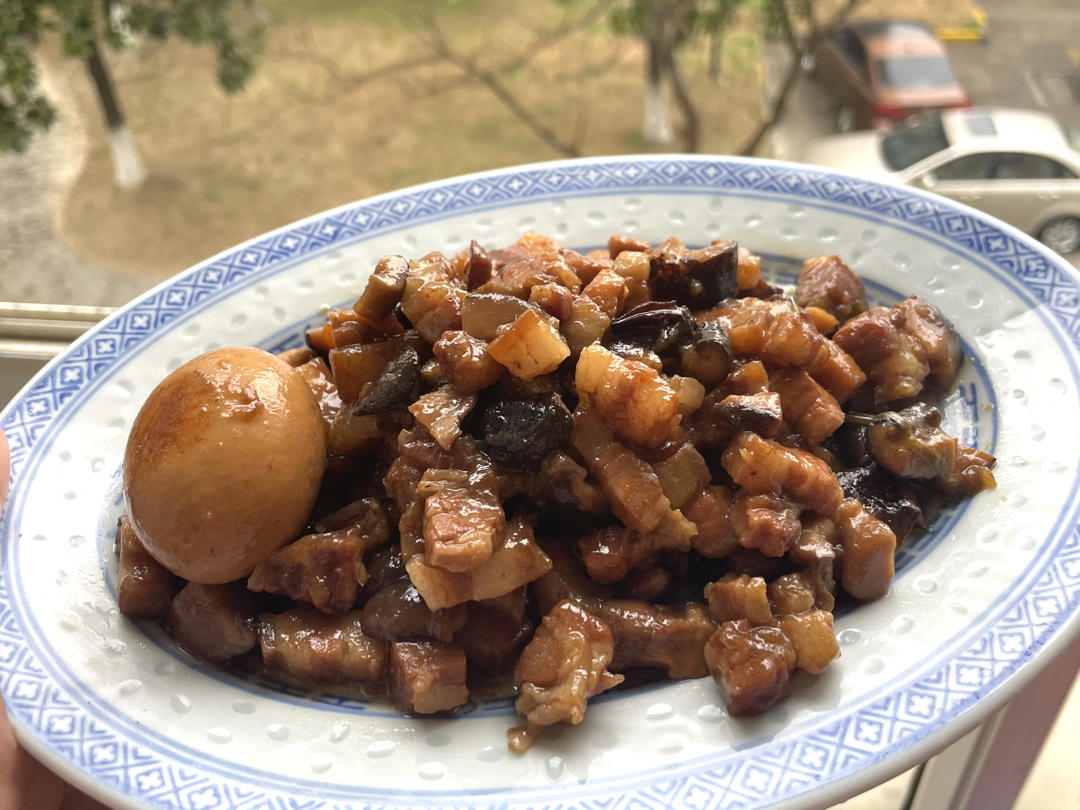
pixel 915 72
pixel 914 141
pixel 1024 166
pixel 852 49
pixel 968 167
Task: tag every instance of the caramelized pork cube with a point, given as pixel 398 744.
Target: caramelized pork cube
pixel 808 407
pixel 530 346
pixel 766 522
pixel 512 605
pixel 709 510
pixel 911 444
pixel 312 647
pixel 748 270
pixel 617 243
pixel 554 299
pixel 608 291
pixel 585 326
pixel 465 362
pixel 812 637
pixel 442 411
pixel 516 560
pixel 722 416
pixel 325 570
pixel 433 296
pixel 649 636
pixel 939 342
pixel 690 392
pixel 567 580
pixel 460 526
pixel 764 466
pixel 518 277
pixel 631 397
pixel 144 587
pixel 384 288
pixel 866 566
pixel 215 623
pixel 829 284
pixel 353 434
pixel 894 361
pixel 682 474
pixel 610 553
pixel 427 677
pixel 837 371
pixel 397 613
pixel 491 640
pixel 791 593
pixel 586 266
pixel 564 665
pixel 739 596
pixel 751 665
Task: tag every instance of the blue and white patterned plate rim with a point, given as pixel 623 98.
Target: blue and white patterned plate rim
pixel 1036 622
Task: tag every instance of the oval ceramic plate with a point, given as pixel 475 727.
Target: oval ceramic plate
pixel 978 605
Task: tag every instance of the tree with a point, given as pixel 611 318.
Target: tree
pixel 85 28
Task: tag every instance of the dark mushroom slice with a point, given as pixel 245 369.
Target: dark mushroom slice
pixel 697 278
pixel 521 433
pixel 708 358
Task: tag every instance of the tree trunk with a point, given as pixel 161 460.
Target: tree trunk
pixel 716 55
pixel 128 171
pixel 691 118
pixel 657 124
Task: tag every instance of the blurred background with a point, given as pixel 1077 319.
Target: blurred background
pixel 138 137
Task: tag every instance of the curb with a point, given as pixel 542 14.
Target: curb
pixel 974 30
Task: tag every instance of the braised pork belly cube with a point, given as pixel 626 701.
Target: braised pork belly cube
pixel 748 269
pixel 566 580
pixel 313 647
pixel 739 597
pixel 585 325
pixel 647 636
pixel 710 512
pixel 837 371
pixel 722 416
pixel 808 407
pixel 610 553
pixel 828 283
pixel 530 346
pixel 762 465
pixel 811 635
pixel 937 339
pixel 433 296
pixel 384 288
pixel 144 587
pixel 555 299
pixel 792 593
pixel 427 677
pixel 564 665
pixel 608 291
pixel 617 243
pixel 866 564
pixel 751 665
pixel 766 522
pixel 631 397
pixel 586 266
pixel 325 570
pixel 397 613
pixel 518 277
pixel 464 361
pixel 215 623
pixel 491 639
pixel 682 474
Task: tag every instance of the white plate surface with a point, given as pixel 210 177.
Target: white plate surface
pixel 978 606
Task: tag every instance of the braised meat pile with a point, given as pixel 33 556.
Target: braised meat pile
pixel 568 469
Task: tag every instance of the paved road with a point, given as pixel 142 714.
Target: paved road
pixel 1030 58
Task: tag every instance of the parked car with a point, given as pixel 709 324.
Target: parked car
pixel 1020 166
pixel 882 71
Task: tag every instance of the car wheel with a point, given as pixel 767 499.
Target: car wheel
pixel 845 119
pixel 1061 234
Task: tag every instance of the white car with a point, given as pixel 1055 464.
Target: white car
pixel 1016 165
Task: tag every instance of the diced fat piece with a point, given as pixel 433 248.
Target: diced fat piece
pixel 427 677
pixel 321 382
pixel 482 314
pixel 353 434
pixel 633 266
pixel 746 321
pixel 144 587
pixel 564 665
pixel 828 283
pixel 837 371
pixel 518 277
pixel 554 299
pixel 751 665
pixel 762 465
pixel 824 322
pixel 586 266
pixel 866 566
pixel 442 411
pixel 530 346
pixel 631 397
pixel 792 593
pixel 812 637
pixel 492 640
pixel 566 580
pixel 657 637
pixel 765 521
pixel 585 326
pixel 397 613
pixel 313 647
pixel 432 297
pixel 384 288
pixel 516 561
pixel 632 488
pixel 325 570
pixel 739 596
pixel 682 474
pixel 460 526
pixel 808 407
pixel 710 510
pixel 215 623
pixel 348 328
pixel 608 291
pixel 746 377
pixel 465 362
pixel 690 392
pixel 610 553
pixel 618 243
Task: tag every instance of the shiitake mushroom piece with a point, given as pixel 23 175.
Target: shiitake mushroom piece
pixel 699 279
pixel 708 359
pixel 890 499
pixel 520 433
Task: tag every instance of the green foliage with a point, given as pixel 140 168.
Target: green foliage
pixel 82 24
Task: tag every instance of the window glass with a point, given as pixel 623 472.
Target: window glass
pixel 915 72
pixel 969 167
pixel 911 142
pixel 1023 166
